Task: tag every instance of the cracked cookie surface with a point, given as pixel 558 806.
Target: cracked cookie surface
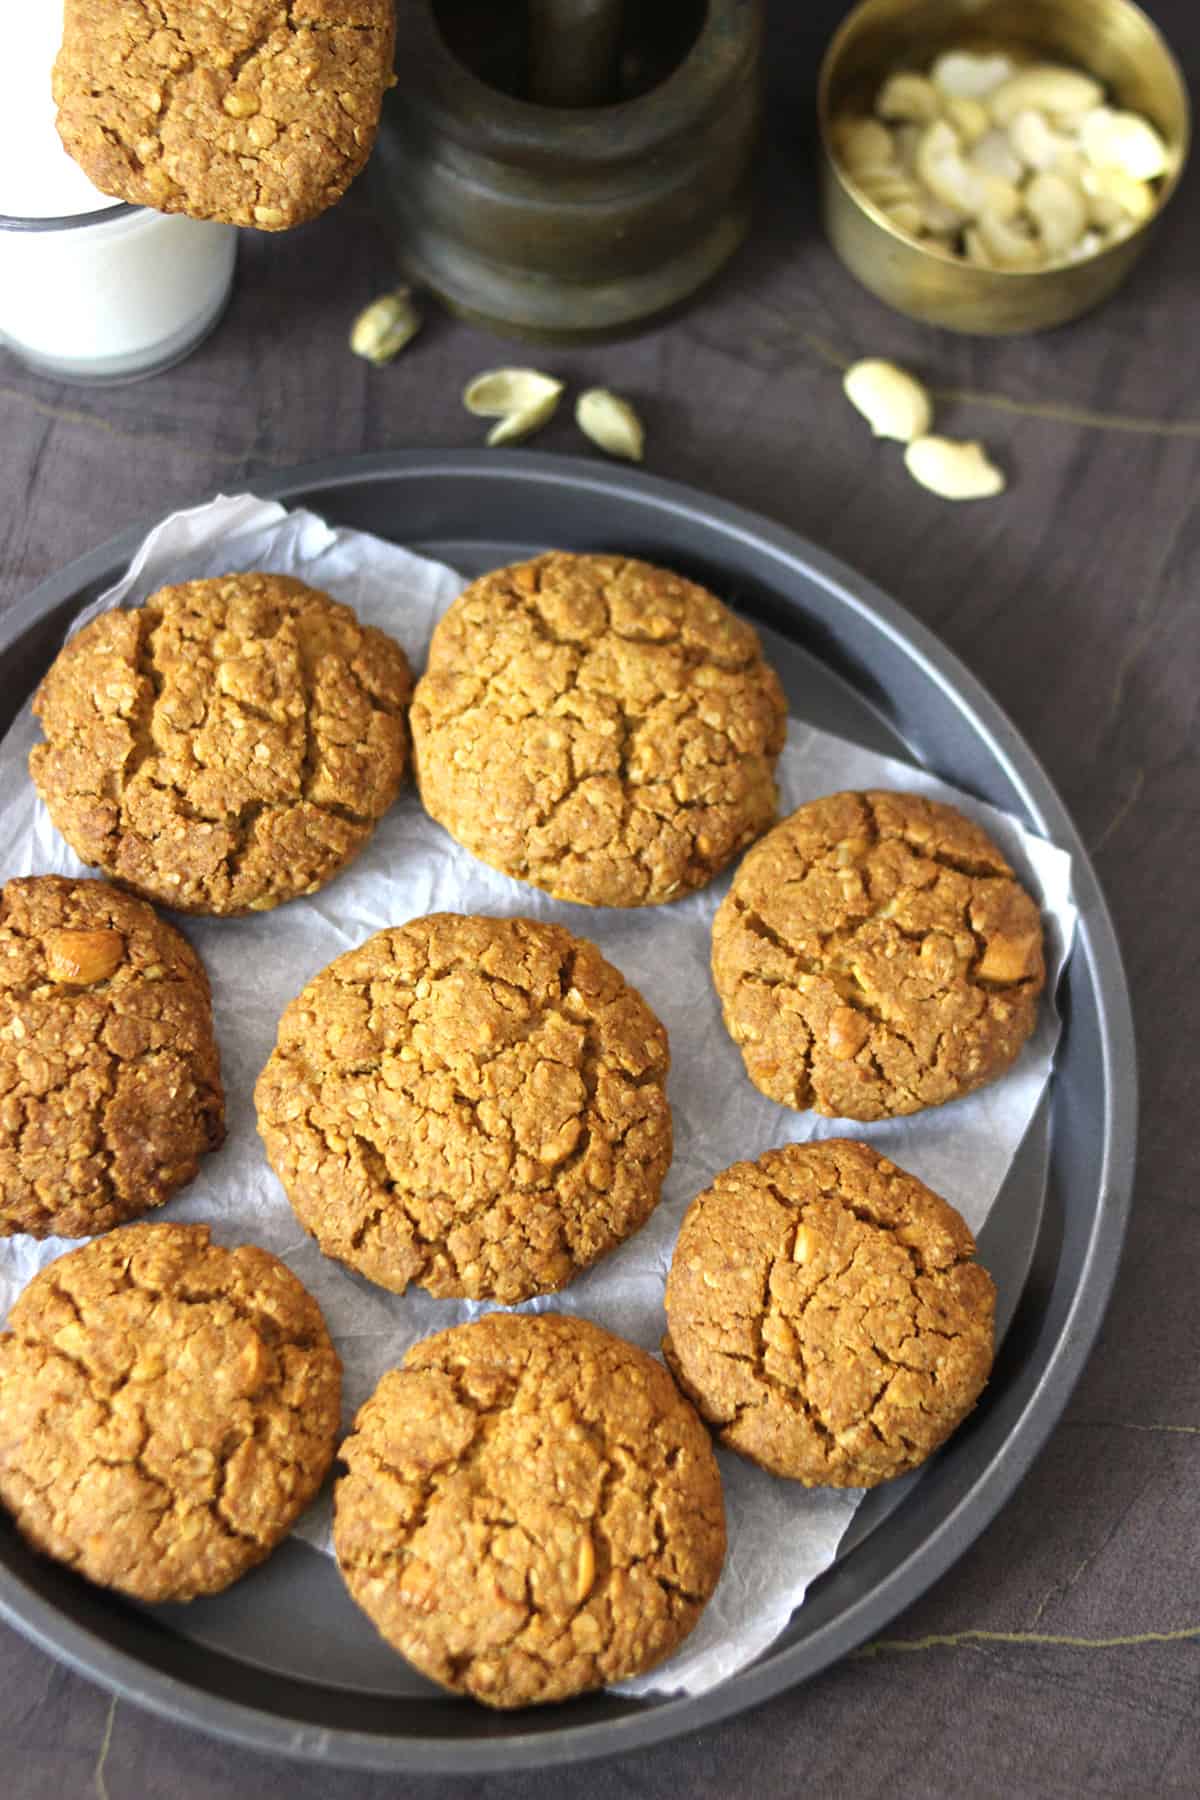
pixel 876 955
pixel 167 1409
pixel 474 1104
pixel 599 727
pixel 253 112
pixel 110 1083
pixel 825 1315
pixel 228 746
pixel 532 1509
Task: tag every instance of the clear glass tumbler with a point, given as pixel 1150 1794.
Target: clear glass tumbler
pixel 111 295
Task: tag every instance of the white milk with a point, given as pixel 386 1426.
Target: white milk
pixel 90 290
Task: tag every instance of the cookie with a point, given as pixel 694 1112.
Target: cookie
pixel 875 955
pixel 168 1408
pixel 474 1104
pixel 532 1509
pixel 259 114
pixel 596 726
pixel 110 1082
pixel 825 1315
pixel 227 746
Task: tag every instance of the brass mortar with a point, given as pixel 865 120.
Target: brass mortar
pixel 1110 39
pixel 568 223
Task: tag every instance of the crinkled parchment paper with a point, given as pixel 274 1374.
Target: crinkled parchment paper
pixel 780 1535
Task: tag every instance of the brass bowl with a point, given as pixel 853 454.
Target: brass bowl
pixel 1111 39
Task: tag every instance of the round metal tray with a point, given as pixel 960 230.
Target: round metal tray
pixel 283 1661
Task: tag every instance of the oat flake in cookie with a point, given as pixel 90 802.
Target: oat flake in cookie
pixel 477 1105
pixel 259 113
pixel 167 1410
pixel 227 746
pixel 532 1509
pixel 826 1316
pixel 876 955
pixel 599 727
pixel 110 1085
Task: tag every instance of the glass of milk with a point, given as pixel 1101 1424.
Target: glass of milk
pixel 90 290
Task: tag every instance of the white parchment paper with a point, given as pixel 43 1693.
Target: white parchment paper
pixel 781 1536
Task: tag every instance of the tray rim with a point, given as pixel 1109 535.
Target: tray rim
pixel 169 1696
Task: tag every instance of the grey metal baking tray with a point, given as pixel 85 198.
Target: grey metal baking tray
pixel 283 1661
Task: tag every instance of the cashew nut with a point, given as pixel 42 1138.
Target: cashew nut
pixel 907 216
pixel 943 169
pixel 1035 140
pixel 962 75
pixel 950 178
pixel 1125 141
pixel 1058 209
pixel 863 144
pixel 905 96
pixel 1063 93
pixel 954 470
pixel 969 117
pixel 894 403
pixel 887 187
pixel 1114 198
pixel 995 155
pixel 1007 242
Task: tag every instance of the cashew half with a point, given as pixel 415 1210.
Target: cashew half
pixel 1058 209
pixel 941 166
pixel 862 143
pixel 994 154
pixel 962 75
pixel 950 178
pixel 1125 141
pixel 1035 140
pixel 1063 93
pixel 1114 198
pixel 1007 243
pixel 905 96
pixel 970 118
pixel 894 403
pixel 954 470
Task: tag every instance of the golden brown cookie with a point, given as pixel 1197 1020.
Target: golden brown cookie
pixel 876 955
pixel 168 1408
pixel 824 1314
pixel 227 746
pixel 532 1509
pixel 474 1104
pixel 256 114
pixel 110 1082
pixel 601 728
